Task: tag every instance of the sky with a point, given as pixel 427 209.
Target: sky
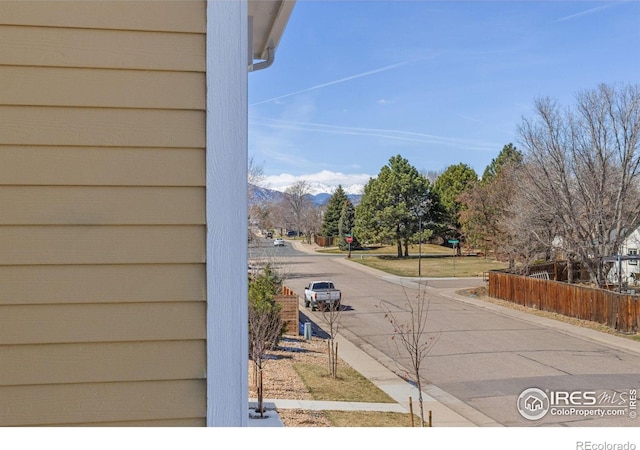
pixel 438 82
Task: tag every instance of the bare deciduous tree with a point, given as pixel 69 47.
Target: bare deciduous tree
pixel 583 168
pixel 331 317
pixel 410 333
pixel 527 233
pixel 486 202
pixel 297 203
pixel 311 222
pixel 265 324
pixel 255 177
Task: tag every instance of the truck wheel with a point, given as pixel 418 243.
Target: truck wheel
pixel 306 303
pixel 313 307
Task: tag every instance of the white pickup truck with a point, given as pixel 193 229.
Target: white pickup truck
pixel 322 294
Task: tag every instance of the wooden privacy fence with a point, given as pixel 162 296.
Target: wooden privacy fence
pixel 323 241
pixel 289 312
pixel 618 311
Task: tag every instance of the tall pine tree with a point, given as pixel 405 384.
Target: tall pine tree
pixel 393 204
pixel 330 222
pixel 346 224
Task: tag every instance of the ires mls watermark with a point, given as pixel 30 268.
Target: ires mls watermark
pixel 534 403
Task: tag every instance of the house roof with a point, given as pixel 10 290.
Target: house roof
pixel 269 20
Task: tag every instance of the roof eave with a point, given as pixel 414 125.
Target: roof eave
pixel 270 18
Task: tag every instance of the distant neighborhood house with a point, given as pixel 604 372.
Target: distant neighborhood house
pixel 627 269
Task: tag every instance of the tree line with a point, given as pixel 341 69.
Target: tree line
pixel 569 188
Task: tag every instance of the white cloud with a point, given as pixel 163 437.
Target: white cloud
pixel 324 181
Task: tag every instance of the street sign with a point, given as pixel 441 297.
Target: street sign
pixel 453 241
pixel 349 239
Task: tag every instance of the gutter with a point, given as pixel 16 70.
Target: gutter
pixel 271 53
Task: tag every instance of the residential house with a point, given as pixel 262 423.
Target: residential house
pixel 625 267
pixel 123 159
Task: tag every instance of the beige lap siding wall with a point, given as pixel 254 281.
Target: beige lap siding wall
pixel 102 213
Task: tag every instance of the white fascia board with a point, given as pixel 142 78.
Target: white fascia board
pixel 270 17
pixel 226 203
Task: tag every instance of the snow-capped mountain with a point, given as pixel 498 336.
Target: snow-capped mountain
pixel 320 188
pixel 319 193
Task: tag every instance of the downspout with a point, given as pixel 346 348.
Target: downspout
pixel 271 51
pixel 254 67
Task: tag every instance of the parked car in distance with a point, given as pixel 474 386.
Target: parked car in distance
pixel 323 295
pixel 278 242
pixel 269 235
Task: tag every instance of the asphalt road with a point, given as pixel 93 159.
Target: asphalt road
pixel 484 358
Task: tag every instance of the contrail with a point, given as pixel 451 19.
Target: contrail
pixel 331 83
pixel 371 132
pixel 585 13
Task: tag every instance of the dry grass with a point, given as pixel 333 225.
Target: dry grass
pixel 298 369
pixel 482 293
pixel 442 266
pixel 349 386
pixel 370 419
pixel 427 249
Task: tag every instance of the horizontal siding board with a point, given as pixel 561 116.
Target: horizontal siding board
pixel 102 402
pixel 194 422
pixel 104 362
pixel 46 86
pixel 30 125
pixel 22 285
pixel 46 205
pixel 101 244
pixel 164 15
pixel 96 48
pixel 83 166
pixel 56 324
pixel 102 235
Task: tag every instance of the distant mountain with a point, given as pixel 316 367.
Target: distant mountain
pixel 321 193
pixel 321 188
pixel 264 195
pixel 319 197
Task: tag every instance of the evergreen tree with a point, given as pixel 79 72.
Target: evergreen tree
pixel 509 155
pixel 333 211
pixel 449 185
pixel 346 225
pixel 392 204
